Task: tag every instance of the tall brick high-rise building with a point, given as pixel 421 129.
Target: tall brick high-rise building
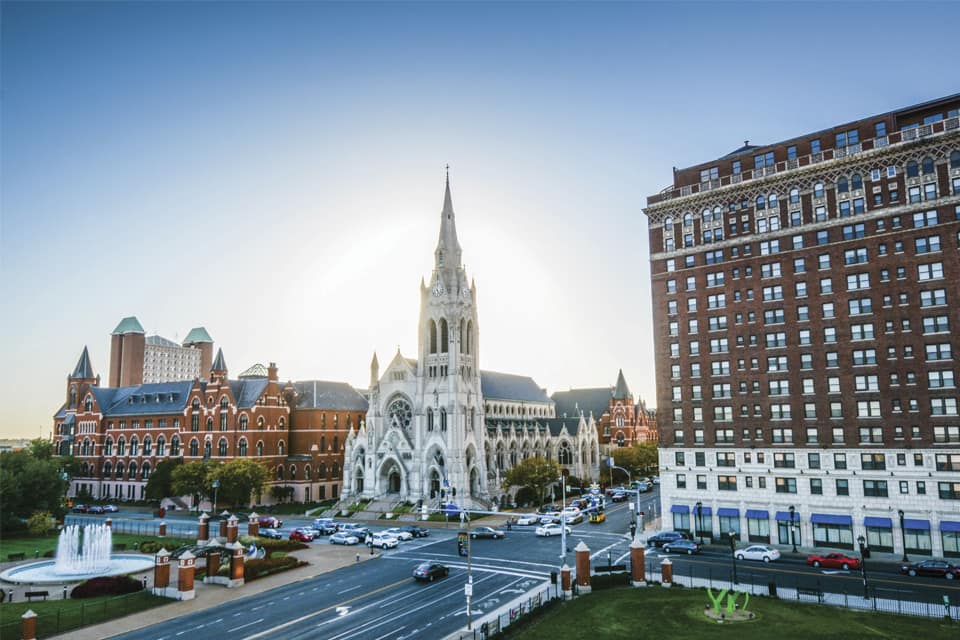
pixel 806 303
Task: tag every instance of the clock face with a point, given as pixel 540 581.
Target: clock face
pixel 438 289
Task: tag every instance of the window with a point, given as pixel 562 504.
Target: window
pixel 875 488
pixel 787 485
pixel 925 218
pixel 940 379
pixel 784 461
pixel 862 331
pixel 941 351
pixel 943 406
pixel 931 271
pixel 935 324
pixel 868 409
pixel 823 261
pixel 860 306
pixel 727 483
pixel 856 281
pixel 933 298
pixel 855 256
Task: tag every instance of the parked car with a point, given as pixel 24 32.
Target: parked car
pixel 80 508
pixel 487 532
pixel 399 534
pixel 619 496
pixel 656 480
pixel 551 529
pixel 325 526
pixel 270 522
pixel 935 568
pixel 598 517
pixel 302 534
pixel 683 545
pixel 526 519
pixel 762 552
pixel 95 509
pixel 342 537
pixel 415 531
pixel 428 571
pixel 834 561
pixel 664 537
pixel 552 517
pixel 575 518
pixel 355 529
pixel 270 533
pixel 111 508
pixel 383 540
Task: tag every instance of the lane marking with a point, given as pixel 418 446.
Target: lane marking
pixel 351 588
pixel 244 625
pixel 390 633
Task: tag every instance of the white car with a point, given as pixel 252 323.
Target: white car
pixel 550 517
pixel 550 530
pixel 758 552
pixel 400 534
pixel 527 519
pixel 383 540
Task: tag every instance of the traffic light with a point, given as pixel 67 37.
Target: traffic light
pixel 633 529
pixel 462 543
pixel 454 492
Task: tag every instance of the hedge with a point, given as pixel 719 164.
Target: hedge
pixel 106 586
pixel 253 569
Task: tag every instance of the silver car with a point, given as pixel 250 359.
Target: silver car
pixel 342 537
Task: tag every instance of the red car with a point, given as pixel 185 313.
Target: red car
pixel 834 561
pixel 934 568
pixel 302 535
pixel 270 522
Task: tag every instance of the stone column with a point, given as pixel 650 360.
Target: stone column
pixel 29 625
pixel 583 567
pixel 161 572
pixel 666 573
pixel 108 523
pixel 187 565
pixel 253 525
pixel 203 534
pixel 213 567
pixel 232 526
pixel 163 529
pixel 637 566
pixel 566 584
pixel 236 564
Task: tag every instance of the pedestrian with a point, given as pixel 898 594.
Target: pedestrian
pixel 3 595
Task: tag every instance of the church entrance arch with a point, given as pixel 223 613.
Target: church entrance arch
pixel 474 482
pixel 358 480
pixel 391 477
pixel 434 484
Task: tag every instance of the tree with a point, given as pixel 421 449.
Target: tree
pixel 32 480
pixel 536 473
pixel 160 483
pixel 192 479
pixel 239 479
pixel 640 459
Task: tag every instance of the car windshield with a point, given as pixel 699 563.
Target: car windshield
pixel 423 567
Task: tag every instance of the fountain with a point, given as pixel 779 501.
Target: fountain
pixel 79 558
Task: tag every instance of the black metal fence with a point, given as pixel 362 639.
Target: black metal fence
pixel 140 527
pixel 65 615
pixel 488 626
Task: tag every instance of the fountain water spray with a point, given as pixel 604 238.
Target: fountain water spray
pixel 95 556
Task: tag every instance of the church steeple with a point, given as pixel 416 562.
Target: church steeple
pixel 83 370
pixel 447 255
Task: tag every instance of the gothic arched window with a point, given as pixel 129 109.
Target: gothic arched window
pixel 175 446
pixel 108 447
pixel 209 424
pixel 88 404
pixel 260 423
pixel 121 446
pixel 161 446
pixel 242 448
pixel 443 419
pixel 433 337
pixel 244 421
pixel 207 449
pixel 429 419
pixel 73 397
pixel 222 448
pixel 280 448
pixel 463 341
pixel 444 336
pixel 194 447
pixel 260 448
pixel 564 456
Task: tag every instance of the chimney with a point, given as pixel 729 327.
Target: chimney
pixel 272 372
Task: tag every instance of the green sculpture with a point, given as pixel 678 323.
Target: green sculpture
pixel 732 598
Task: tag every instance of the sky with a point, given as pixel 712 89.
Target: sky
pixel 274 172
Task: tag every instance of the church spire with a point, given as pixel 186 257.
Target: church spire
pixel 448 247
pixel 83 370
pixel 622 392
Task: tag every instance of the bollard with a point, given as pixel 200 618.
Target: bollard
pixel 583 567
pixel 666 573
pixel 358 557
pixel 565 582
pixel 29 625
pixel 638 568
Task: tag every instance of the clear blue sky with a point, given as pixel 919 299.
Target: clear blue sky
pixel 274 171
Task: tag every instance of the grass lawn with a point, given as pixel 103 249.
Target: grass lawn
pixel 57 616
pixel 655 612
pixel 30 545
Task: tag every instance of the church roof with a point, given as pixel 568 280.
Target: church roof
pixel 622 392
pixel 556 425
pixel 197 334
pixel 83 369
pixel 129 324
pixel 323 394
pixel 572 402
pixel 506 386
pixel 247 391
pixel 219 364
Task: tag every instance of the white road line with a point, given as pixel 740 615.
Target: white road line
pixel 350 589
pixel 244 625
pixel 390 634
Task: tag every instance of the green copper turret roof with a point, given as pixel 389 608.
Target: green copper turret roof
pixel 197 334
pixel 128 325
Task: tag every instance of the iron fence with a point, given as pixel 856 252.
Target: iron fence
pixel 73 614
pixel 140 527
pixel 488 626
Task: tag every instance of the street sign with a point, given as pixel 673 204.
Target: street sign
pixel 468 589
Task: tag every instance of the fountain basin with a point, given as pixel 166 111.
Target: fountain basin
pixel 45 572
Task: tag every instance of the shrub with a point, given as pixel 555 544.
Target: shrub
pixel 608 580
pixel 107 586
pixel 253 569
pixel 40 522
pixel 150 546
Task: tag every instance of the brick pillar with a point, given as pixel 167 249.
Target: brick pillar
pixel 213 567
pixel 186 567
pixel 203 534
pixel 253 525
pixel 232 526
pixel 223 526
pixel 109 523
pixel 637 566
pixel 161 572
pixel 236 564
pixel 566 584
pixel 29 625
pixel 163 529
pixel 666 573
pixel 583 567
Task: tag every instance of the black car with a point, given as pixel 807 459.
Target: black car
pixel 428 571
pixel 618 496
pixel 688 547
pixel 487 532
pixel 270 533
pixel 665 537
pixel 415 531
pixel 934 568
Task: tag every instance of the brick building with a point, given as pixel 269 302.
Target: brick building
pixel 805 318
pixel 136 358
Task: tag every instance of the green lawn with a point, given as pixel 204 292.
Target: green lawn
pixel 57 616
pixel 33 546
pixel 655 612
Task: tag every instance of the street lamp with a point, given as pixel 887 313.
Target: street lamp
pixel 903 536
pixel 793 532
pixel 732 536
pixel 863 566
pixel 216 487
pixel 563 522
pixel 700 520
pixel 638 519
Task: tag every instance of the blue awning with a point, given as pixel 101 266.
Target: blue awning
pixel 726 512
pixel 829 518
pixel 704 510
pixel 784 516
pixel 883 523
pixel 923 525
pixel 759 514
pixel 953 527
pixel 679 508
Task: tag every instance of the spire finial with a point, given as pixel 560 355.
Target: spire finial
pixel 448 173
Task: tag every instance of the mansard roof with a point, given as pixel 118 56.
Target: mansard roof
pixel 323 394
pixel 143 399
pixel 83 369
pixel 246 392
pixel 129 324
pixel 572 402
pixel 197 334
pixel 506 386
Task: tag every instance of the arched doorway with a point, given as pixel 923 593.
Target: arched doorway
pixel 358 481
pixel 474 482
pixel 393 481
pixel 390 477
pixel 434 483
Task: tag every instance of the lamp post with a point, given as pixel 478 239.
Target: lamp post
pixel 732 536
pixel 903 536
pixel 793 532
pixel 314 450
pixel 863 566
pixel 563 523
pixel 700 520
pixel 638 522
pixel 216 487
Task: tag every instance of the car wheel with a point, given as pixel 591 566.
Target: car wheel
pixel 473 536
pixel 845 566
pixel 766 559
pixel 689 552
pixel 740 556
pixel 431 578
pixel 446 572
pixel 949 576
pixel 912 572
pixel 384 546
pixel 816 563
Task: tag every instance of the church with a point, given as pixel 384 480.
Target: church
pixel 438 425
